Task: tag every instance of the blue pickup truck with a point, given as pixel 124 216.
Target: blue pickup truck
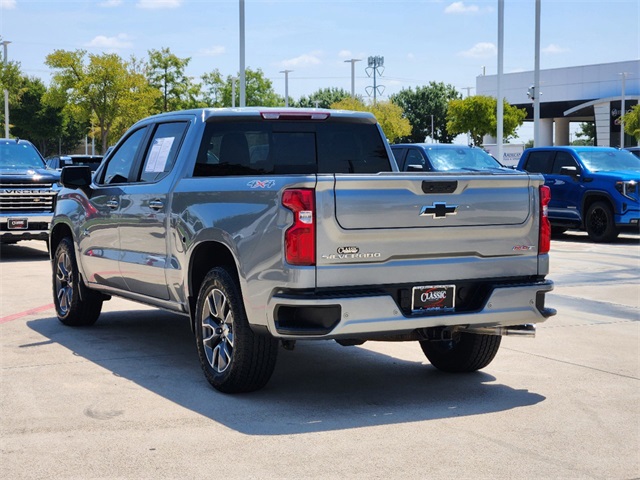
pixel 592 188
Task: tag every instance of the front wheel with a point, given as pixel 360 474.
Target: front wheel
pixel 234 359
pixel 600 223
pixel 75 304
pixel 465 352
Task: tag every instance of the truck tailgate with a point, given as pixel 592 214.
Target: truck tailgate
pixel 397 227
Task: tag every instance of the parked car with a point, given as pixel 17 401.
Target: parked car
pixel 634 150
pixel 27 192
pixel 59 161
pixel 592 188
pixel 442 157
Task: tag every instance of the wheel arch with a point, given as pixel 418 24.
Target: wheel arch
pixel 592 197
pixel 58 232
pixel 206 256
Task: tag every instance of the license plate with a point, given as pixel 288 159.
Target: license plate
pixel 18 224
pixel 433 298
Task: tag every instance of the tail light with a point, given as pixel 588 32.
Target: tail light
pixel 544 243
pixel 300 238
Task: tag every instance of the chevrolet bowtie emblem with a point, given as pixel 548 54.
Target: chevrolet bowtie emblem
pixel 438 210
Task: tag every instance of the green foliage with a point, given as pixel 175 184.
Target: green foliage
pixel 419 105
pixel 389 116
pixel 587 130
pixel 322 98
pixel 258 90
pixel 477 115
pixel 632 122
pixel 165 72
pixel 104 89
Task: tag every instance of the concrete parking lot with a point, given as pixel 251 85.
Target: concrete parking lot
pixel 126 398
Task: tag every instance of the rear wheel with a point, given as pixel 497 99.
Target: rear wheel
pixel 600 223
pixel 75 304
pixel 465 352
pixel 234 359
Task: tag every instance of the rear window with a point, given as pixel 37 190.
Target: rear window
pixel 282 147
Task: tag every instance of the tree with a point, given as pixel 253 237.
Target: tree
pixel 105 89
pixel 477 115
pixel 418 107
pixel 632 122
pixel 165 72
pixel 587 130
pixel 259 90
pixel 389 116
pixel 322 98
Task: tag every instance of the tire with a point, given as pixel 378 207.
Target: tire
pixel 466 352
pixel 600 224
pixel 233 358
pixel 75 304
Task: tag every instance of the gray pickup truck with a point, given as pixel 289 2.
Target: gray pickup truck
pixel 268 226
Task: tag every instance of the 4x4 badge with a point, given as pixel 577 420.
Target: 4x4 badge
pixel 438 210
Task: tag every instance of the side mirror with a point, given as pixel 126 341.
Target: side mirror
pixel 76 177
pixel 570 171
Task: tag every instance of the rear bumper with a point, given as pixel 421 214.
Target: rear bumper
pixel 378 315
pixel 38 225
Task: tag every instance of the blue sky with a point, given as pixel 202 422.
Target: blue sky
pixel 444 41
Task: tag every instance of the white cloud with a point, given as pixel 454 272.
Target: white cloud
pixel 153 4
pixel 554 49
pixel 7 4
pixel 345 54
pixel 213 51
pixel 102 41
pixel 460 7
pixel 111 3
pixel 304 60
pixel 480 50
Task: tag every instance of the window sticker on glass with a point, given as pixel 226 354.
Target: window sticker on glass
pixel 159 154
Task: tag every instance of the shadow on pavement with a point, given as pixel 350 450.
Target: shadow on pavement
pixel 21 252
pixel 320 386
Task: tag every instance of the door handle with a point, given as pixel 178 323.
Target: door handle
pixel 156 204
pixel 112 204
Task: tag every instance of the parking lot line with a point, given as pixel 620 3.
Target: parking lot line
pixel 31 311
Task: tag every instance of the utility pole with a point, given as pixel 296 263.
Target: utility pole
pixel 468 89
pixel 375 68
pixel 353 75
pixel 243 79
pixel 500 112
pixel 233 91
pixel 6 93
pixel 286 86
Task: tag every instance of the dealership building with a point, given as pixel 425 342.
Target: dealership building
pixel 590 93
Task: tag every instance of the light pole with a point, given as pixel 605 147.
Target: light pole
pixel 536 79
pixel 243 79
pixel 286 86
pixel 6 93
pixel 622 109
pixel 353 75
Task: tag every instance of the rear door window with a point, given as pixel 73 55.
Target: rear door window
pixel 540 161
pixel 162 153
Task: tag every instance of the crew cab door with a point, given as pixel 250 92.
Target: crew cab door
pixel 143 213
pixel 99 238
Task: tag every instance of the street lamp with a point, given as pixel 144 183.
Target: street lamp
pixel 353 75
pixel 6 93
pixel 286 86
